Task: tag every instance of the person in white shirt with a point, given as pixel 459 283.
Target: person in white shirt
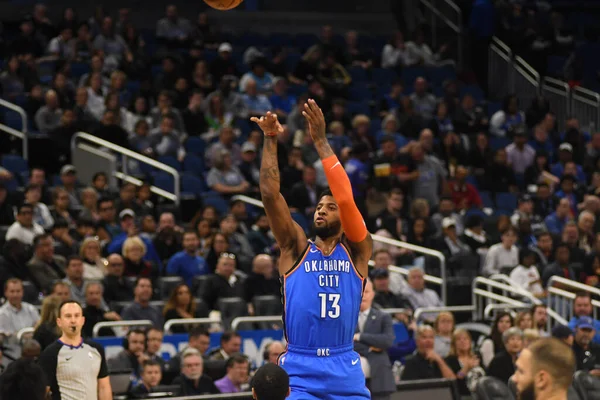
pixel 383 260
pixel 15 314
pixel 503 254
pixel 420 296
pixel 41 213
pixel 526 275
pixel 24 229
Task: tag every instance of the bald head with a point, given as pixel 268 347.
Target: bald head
pixel 263 265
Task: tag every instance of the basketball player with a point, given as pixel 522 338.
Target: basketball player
pixel 544 371
pixel 322 280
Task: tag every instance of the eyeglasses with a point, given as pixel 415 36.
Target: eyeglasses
pixel 227 255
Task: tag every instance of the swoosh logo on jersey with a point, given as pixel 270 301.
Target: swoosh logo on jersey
pixel 314 250
pixel 354 362
pixel 335 165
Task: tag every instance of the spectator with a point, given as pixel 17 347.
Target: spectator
pixel 502 365
pixel 540 318
pixel 463 361
pixel 188 263
pixel 373 339
pixel 431 176
pixel 508 117
pixel 224 64
pixel 154 341
pixel 180 304
pixel 237 378
pixel 41 213
pixel 420 296
pixel 115 286
pixel 141 307
pixel 193 381
pixel 45 267
pixel 561 265
pixel 423 102
pixel 172 30
pixel 199 340
pixel 384 298
pixel 237 243
pixel 582 307
pixel 24 229
pixel 46 331
pixel 587 352
pixel 520 155
pixel 274 350
pixel 556 222
pixel 96 310
pixel 263 280
pixel 494 343
pixel 150 378
pixel 464 195
pixel 16 314
pixel 231 343
pixel 503 254
pixel 132 357
pixel 564 334
pixel 74 278
pixel 425 363
pixel 526 275
pixel 474 236
pixel 61 290
pixel 48 117
pixel 444 327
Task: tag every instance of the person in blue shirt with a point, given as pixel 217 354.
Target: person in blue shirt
pixel 187 263
pixel 358 170
pixel 556 221
pixel 582 307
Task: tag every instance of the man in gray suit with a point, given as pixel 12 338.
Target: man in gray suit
pixel 374 336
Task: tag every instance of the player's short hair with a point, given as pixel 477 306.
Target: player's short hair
pixel 326 192
pixel 150 363
pixel 65 302
pixel 22 380
pixel 556 358
pixel 270 382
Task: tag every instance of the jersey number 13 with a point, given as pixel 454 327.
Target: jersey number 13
pixel 330 306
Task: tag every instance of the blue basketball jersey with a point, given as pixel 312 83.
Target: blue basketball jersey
pixel 322 296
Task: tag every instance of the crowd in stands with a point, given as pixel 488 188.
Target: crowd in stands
pixel 500 190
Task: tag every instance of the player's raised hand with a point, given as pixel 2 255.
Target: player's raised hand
pixel 269 124
pixel 316 120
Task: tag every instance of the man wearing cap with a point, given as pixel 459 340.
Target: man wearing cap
pixel 223 64
pixel 519 154
pixel 129 228
pixel 248 166
pixel 587 353
pixel 565 154
pixel 68 177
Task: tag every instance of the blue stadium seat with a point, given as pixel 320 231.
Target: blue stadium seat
pixel 497 142
pixel 279 39
pixel 292 60
pixel 195 145
pixel 486 199
pixel 146 169
pixel 375 125
pixel 493 107
pixel 556 65
pixel 192 184
pixel 410 74
pixel 170 161
pixel 78 69
pixel 156 70
pixel 212 198
pixel 354 107
pixel 13 120
pixel 133 86
pixel 358 74
pixel 360 92
pixel 15 164
pixel 193 164
pixel 305 40
pixel 438 75
pixel 506 202
pixel 11 185
pixel 383 76
pixel 297 90
pixel 164 181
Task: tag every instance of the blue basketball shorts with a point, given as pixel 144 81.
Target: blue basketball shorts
pixel 331 375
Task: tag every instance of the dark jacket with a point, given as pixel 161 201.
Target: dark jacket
pixel 188 388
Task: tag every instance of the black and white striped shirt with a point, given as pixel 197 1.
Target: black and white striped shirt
pixel 73 371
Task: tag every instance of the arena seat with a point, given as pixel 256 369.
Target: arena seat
pixel 202 310
pixel 193 164
pixel 230 308
pixel 587 386
pixel 199 284
pixel 490 388
pixel 192 184
pixel 166 284
pixel 266 305
pixel 170 161
pixel 215 369
pixel 195 145
pixel 31 294
pixel 164 181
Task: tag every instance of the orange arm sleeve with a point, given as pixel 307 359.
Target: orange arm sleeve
pixel 352 220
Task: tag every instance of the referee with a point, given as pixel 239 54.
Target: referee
pixel 75 368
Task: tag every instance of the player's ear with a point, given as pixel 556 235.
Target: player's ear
pixel 289 392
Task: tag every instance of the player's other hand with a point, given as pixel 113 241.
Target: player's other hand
pixel 315 119
pixel 269 124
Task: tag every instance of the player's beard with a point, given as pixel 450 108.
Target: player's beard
pixel 528 393
pixel 327 229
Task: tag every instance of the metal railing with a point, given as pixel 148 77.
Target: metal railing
pixel 558 94
pixel 585 106
pixel 191 321
pixel 266 318
pixel 24 331
pixel 526 82
pixel 561 299
pixel 119 324
pixel 490 308
pixel 127 154
pixel 22 134
pixel 453 309
pixel 392 242
pixel 449 15
pixel 500 71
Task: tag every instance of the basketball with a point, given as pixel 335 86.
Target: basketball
pixel 223 4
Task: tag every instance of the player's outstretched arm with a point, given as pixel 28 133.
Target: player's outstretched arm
pixel 351 218
pixel 287 233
